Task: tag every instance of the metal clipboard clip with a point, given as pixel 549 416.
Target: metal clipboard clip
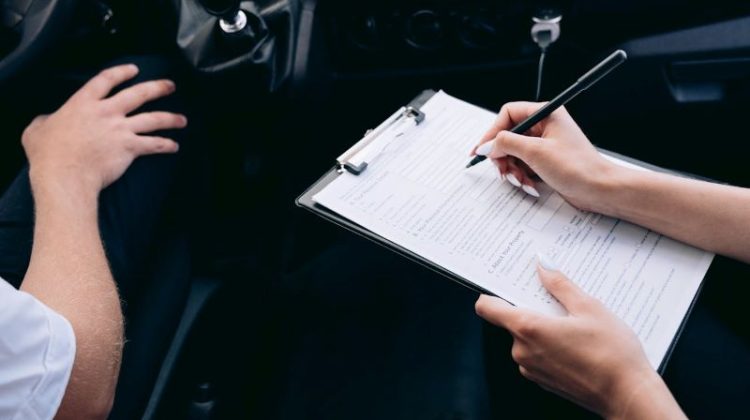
pixel 355 161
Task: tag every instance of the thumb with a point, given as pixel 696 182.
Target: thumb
pixel 517 145
pixel 500 313
pixel 565 291
pixel 40 119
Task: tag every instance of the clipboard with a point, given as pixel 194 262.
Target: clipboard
pixel 413 112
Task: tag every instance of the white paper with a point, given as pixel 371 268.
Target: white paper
pixel 418 194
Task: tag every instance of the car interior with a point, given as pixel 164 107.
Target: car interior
pixel 279 93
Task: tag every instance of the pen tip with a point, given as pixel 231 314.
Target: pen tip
pixel 469 165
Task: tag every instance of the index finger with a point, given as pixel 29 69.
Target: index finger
pixel 501 313
pixel 102 84
pixel 510 115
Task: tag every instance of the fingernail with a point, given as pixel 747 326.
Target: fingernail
pixel 546 262
pixel 484 149
pixel 528 189
pixel 133 68
pixel 513 180
pixel 502 176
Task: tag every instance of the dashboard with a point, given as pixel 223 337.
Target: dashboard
pixel 427 35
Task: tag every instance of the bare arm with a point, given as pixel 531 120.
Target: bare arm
pixel 706 215
pixel 69 272
pixel 73 154
pixel 710 216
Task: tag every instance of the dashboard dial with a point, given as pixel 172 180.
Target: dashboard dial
pixel 425 30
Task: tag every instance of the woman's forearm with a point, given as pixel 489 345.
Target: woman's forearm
pixel 709 216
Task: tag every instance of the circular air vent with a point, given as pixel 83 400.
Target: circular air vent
pixel 365 32
pixel 424 30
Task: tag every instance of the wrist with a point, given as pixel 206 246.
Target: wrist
pixel 626 389
pixel 642 395
pixel 45 183
pixel 610 188
pixel 56 188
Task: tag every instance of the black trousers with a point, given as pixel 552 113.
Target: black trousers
pixel 130 209
pixel 371 335
pixel 375 336
pixel 136 214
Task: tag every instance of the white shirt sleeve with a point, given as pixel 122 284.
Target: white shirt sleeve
pixel 37 348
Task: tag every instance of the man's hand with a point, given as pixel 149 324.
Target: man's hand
pixel 590 356
pixel 90 141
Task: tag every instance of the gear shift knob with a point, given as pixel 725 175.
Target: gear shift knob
pixel 231 18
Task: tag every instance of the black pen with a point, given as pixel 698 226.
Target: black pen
pixel 583 83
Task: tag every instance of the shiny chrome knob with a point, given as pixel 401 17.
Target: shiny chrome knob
pixel 231 18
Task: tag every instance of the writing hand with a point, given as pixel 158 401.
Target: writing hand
pixel 555 150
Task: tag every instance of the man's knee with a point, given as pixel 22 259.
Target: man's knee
pixel 150 67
